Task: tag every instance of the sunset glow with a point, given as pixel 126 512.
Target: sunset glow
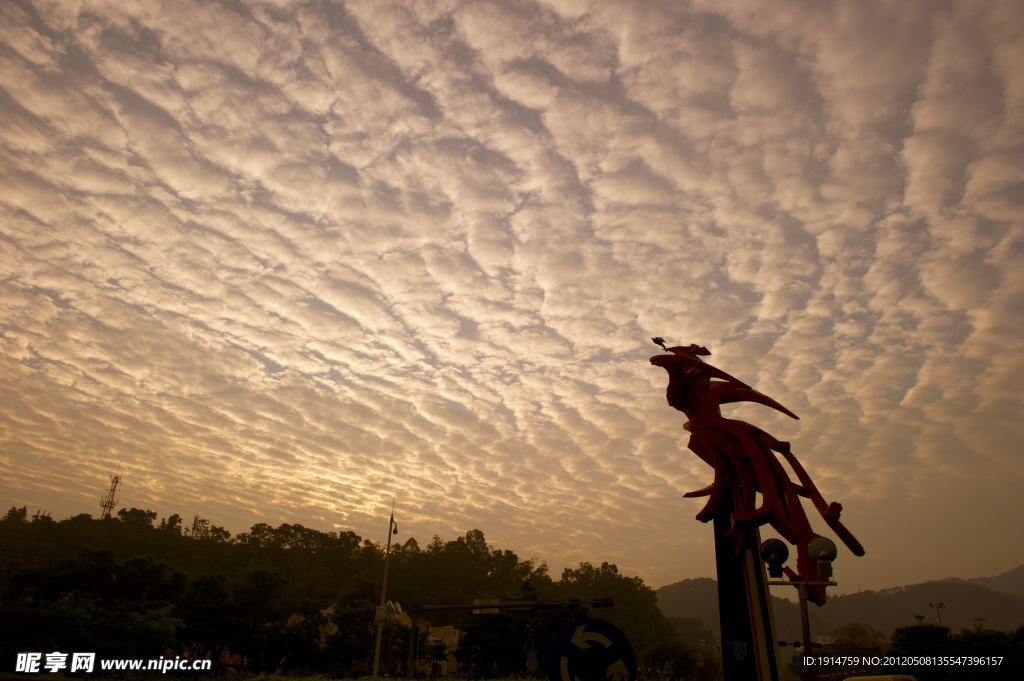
pixel 286 260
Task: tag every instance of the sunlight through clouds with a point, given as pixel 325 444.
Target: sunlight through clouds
pixel 290 259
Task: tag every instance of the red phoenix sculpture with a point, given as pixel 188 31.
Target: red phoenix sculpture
pixel 745 462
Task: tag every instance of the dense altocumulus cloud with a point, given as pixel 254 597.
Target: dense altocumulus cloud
pixel 288 259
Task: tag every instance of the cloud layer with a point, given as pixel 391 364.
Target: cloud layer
pixel 290 259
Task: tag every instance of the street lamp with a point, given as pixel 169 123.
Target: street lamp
pixel 774 552
pixel 381 613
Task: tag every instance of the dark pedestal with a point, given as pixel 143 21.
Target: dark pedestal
pixel 749 651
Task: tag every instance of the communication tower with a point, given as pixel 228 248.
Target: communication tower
pixel 108 501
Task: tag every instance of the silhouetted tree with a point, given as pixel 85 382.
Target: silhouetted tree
pixel 349 649
pixel 290 598
pixel 260 615
pixel 137 517
pixel 486 647
pixel 674 658
pixel 16 515
pixel 209 615
pixel 859 635
pixel 636 609
pixel 988 643
pixel 171 524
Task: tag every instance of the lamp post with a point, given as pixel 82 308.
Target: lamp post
pixel 775 552
pixel 381 611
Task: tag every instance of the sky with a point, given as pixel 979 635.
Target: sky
pixel 283 261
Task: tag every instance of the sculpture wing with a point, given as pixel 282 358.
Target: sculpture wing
pixel 726 392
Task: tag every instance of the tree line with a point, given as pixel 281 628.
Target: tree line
pixel 296 599
pixel 982 654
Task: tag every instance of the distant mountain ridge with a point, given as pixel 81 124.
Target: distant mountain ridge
pixel 998 602
pixel 1010 582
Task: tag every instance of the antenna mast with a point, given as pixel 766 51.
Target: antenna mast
pixel 108 501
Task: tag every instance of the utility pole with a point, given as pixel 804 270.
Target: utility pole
pixel 381 611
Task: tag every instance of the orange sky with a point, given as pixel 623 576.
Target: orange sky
pixel 290 259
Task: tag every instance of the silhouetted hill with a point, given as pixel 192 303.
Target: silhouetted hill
pixel 1011 582
pixel 692 598
pixel 965 603
pixel 699 598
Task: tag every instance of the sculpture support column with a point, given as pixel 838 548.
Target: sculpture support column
pixel 749 650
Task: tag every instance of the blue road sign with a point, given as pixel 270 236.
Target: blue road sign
pixel 591 649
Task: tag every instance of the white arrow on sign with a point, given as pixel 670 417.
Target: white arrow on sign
pixel 582 638
pixel 618 671
pixel 564 668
